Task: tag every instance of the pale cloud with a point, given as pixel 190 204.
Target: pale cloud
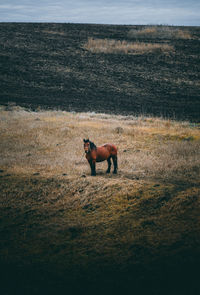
pixel 174 12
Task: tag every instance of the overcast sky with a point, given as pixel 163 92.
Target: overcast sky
pixel 171 12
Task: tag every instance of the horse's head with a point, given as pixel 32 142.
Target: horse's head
pixel 88 145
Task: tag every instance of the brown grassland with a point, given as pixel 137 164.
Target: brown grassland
pixel 63 230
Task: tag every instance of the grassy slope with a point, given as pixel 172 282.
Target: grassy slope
pixel 49 65
pixel 62 229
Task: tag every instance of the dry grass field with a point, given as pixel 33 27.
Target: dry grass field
pixel 63 230
pixel 50 143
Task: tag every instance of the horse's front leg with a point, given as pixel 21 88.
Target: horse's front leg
pixel 93 167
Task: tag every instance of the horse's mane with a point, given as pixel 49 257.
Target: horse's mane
pixel 92 145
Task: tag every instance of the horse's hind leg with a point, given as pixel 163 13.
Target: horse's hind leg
pixel 109 165
pixel 115 164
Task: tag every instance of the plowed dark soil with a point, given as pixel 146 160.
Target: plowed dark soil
pixel 46 65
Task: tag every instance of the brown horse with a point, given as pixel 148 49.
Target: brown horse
pixel 99 154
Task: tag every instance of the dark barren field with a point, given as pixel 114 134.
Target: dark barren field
pixel 48 65
pixel 63 231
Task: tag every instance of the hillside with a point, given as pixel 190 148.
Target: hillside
pixel 138 69
pixel 65 232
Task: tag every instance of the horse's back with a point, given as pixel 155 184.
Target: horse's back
pixel 105 151
pixel 111 148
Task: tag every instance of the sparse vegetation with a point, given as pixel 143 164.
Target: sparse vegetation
pixel 124 47
pixel 111 233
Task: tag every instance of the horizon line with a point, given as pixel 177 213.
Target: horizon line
pixel 93 23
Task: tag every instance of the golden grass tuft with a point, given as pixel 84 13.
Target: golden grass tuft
pixel 124 47
pixel 160 32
